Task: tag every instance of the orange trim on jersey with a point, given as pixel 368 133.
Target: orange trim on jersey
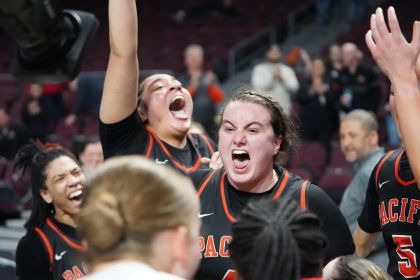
pixel 168 154
pixel 64 237
pixel 47 244
pixel 282 185
pixel 381 162
pixel 276 195
pixel 149 146
pixel 397 173
pixel 204 185
pixel 207 142
pixel 225 207
pixel 303 195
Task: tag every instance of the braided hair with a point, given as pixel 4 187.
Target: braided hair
pixel 36 157
pixel 277 240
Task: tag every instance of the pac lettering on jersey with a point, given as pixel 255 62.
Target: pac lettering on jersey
pixel 399 210
pixel 209 248
pixel 74 273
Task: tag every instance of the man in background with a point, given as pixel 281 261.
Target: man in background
pixel 359 144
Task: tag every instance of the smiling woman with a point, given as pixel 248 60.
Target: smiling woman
pixel 152 119
pixel 50 249
pixel 253 134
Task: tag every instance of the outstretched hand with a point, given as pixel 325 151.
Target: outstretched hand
pixel 396 57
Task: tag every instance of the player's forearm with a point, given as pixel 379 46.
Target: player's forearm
pixel 123 27
pixel 364 242
pixel 407 103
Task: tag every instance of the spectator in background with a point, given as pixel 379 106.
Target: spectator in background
pixel 277 240
pixel 55 93
pixel 88 89
pixel 12 135
pixel 36 113
pixel 276 78
pixel 354 268
pixel 317 105
pixel 91 154
pixel 359 144
pixel 203 87
pixel 360 88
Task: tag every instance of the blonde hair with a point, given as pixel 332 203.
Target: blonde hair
pixel 129 201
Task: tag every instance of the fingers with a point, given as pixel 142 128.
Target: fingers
pixel 394 26
pixel 205 161
pixel 380 23
pixel 374 29
pixel 370 43
pixel 416 36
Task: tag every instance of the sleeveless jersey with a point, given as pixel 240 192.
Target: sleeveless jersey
pixel 392 206
pixel 217 217
pixel 64 252
pixel 184 161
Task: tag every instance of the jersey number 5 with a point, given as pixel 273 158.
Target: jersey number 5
pixel 408 266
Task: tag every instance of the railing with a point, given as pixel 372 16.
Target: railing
pixel 268 32
pixel 294 17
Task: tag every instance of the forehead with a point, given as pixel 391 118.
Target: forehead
pixel 351 125
pixel 164 78
pixel 96 146
pixel 60 165
pixel 246 112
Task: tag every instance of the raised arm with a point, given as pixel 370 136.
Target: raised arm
pixel 119 98
pixel 398 59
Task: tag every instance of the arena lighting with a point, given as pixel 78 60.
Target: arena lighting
pixel 50 41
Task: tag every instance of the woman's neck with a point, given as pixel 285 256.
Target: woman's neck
pixel 257 185
pixel 64 218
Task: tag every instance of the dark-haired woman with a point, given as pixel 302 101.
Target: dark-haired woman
pixel 254 131
pixel 50 249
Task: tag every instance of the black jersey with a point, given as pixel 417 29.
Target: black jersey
pixel 131 136
pixel 48 253
pixel 221 203
pixel 391 206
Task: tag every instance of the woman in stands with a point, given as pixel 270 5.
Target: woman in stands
pixel 140 222
pixel 254 132
pixel 277 240
pixel 50 249
pixel 155 122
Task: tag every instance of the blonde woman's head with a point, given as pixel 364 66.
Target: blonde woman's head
pixel 135 209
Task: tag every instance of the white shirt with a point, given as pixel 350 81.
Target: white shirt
pixel 130 270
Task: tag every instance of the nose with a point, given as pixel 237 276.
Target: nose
pixel 239 138
pixel 175 88
pixel 74 180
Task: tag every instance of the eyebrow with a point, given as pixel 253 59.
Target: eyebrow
pixel 248 125
pixel 63 174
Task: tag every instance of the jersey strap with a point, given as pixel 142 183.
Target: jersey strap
pixel 400 180
pixel 168 154
pixel 205 183
pixel 47 245
pixel 149 146
pixel 204 137
pixel 378 169
pixel 305 185
pixel 63 236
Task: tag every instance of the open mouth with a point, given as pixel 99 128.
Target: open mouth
pixel 240 158
pixel 76 195
pixel 177 107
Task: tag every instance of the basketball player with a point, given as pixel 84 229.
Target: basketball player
pixel 152 119
pixel 393 196
pixel 254 131
pixel 51 249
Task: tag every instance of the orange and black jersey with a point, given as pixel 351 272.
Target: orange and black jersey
pixel 130 136
pixel 221 203
pixel 52 251
pixel 392 206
